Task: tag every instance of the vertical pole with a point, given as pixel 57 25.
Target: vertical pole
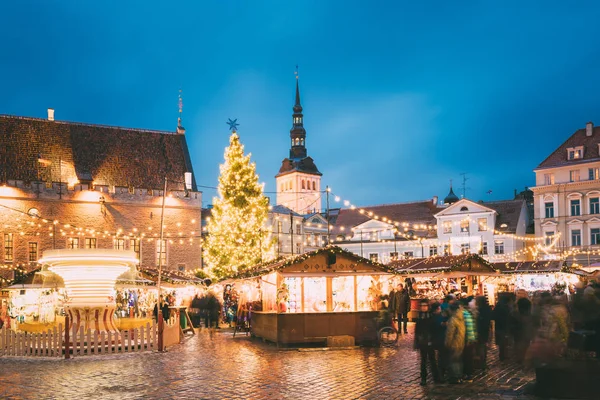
pixel 292 231
pixel 60 177
pixel 328 232
pixel 160 257
pixel 361 246
pixel 278 238
pixel 67 339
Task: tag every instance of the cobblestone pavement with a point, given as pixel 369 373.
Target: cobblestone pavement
pixel 214 365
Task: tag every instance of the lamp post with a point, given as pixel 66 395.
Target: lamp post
pixel 188 186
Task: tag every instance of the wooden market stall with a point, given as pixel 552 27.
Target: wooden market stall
pixel 434 277
pixel 327 293
pixel 537 276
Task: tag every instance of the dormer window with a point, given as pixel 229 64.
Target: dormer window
pixel 575 153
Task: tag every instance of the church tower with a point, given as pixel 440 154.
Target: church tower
pixel 299 180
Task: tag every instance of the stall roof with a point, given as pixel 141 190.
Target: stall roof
pixel 170 277
pixel 287 262
pixel 531 267
pixel 471 264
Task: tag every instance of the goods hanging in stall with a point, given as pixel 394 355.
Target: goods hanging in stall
pixel 308 298
pixel 434 277
pixel 537 276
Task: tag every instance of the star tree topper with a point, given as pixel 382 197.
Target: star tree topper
pixel 232 124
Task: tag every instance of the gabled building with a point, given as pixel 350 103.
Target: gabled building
pixel 384 233
pixel 75 185
pixel 567 195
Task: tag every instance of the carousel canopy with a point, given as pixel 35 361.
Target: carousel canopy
pixel 330 259
pixel 150 277
pixel 37 278
pixel 464 264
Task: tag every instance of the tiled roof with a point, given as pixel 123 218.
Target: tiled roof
pixel 590 149
pixel 509 212
pixel 419 212
pixel 279 209
pixel 106 155
pixel 305 165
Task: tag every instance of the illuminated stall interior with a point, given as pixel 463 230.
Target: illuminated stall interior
pixel 323 293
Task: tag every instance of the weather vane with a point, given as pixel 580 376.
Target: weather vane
pixel 232 124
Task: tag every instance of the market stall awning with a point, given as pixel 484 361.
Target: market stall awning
pixel 330 259
pixel 464 264
pixel 168 277
pixel 531 267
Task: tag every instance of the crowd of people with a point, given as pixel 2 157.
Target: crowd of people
pixel 453 337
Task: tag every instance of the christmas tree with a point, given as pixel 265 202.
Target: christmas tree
pixel 237 238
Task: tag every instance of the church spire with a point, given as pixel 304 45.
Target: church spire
pixel 297 133
pixel 180 128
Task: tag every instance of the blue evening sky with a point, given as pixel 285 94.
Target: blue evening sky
pixel 399 96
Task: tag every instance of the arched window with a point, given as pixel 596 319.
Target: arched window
pixel 463 208
pixel 33 212
pixel 297 141
pixel 302 142
pixel 291 185
pixel 314 186
pixel 303 184
pixel 292 142
pixel 281 188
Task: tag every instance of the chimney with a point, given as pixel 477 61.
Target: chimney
pixel 589 129
pixel 435 200
pixel 51 114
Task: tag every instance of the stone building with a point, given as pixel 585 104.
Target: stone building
pixel 567 197
pixel 75 185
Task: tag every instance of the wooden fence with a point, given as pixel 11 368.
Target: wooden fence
pixel 55 343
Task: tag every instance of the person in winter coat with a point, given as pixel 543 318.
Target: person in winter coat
pixel 522 328
pixel 470 341
pixel 501 315
pixel 424 333
pixel 400 306
pixel 455 342
pixel 484 320
pixel 440 320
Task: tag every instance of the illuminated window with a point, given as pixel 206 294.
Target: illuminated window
pixel 575 153
pixel 465 248
pixel 314 186
pixel 135 245
pixel 298 229
pixel 484 248
pixel 409 254
pixel 161 252
pixel 303 184
pixel 464 226
pixel 433 251
pixel 394 255
pixel 119 244
pixel 548 240
pixel 90 243
pixel 33 251
pixel 342 291
pixel 482 224
pixel 447 227
pixel 446 249
pixel 574 175
pixel 374 257
pixel 73 243
pixel 548 179
pixel 8 247
pixel 593 174
pixel 298 248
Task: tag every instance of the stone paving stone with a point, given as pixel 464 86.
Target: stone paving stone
pixel 214 365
